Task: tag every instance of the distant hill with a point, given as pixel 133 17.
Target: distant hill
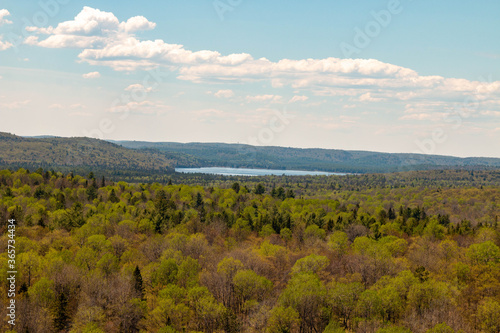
pixel 334 160
pixel 79 154
pixel 140 160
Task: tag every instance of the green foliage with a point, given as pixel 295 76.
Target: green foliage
pixel 488 314
pixel 42 292
pixel 306 294
pixel 339 242
pixel 343 297
pixel 441 328
pixel 310 264
pixel 283 320
pixel 166 272
pixel 248 285
pixel 342 253
pixel 484 253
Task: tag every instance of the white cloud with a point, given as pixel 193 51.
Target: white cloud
pixel 91 28
pixel 137 23
pixel 264 98
pixel 4 45
pixel 299 99
pixel 368 97
pixel 225 93
pixel 144 108
pixel 92 75
pixel 138 87
pixel 105 41
pixel 3 14
pixel 427 110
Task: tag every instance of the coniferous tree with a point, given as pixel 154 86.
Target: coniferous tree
pixel 112 197
pixel 138 286
pixel 61 318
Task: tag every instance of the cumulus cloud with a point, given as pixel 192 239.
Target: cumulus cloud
pixel 137 23
pixel 225 93
pixel 92 75
pixel 3 14
pixel 91 28
pixel 105 41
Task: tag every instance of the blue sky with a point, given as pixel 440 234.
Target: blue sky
pixel 393 76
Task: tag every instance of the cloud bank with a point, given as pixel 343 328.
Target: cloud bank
pixel 104 40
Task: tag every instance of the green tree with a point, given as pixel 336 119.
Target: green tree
pixel 283 320
pixel 306 294
pixel 484 253
pixel 310 264
pixel 488 314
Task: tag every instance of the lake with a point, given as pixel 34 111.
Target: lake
pixel 255 172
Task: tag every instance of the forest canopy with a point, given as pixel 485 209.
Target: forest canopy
pixel 390 253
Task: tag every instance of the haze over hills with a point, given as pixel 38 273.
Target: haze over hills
pixel 79 153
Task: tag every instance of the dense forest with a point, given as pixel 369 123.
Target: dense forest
pixel 407 252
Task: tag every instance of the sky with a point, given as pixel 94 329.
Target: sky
pixel 401 76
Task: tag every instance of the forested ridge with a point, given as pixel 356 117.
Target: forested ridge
pixel 335 160
pixel 80 154
pixel 369 253
pixel 137 161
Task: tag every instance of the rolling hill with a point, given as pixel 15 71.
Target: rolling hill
pixel 146 158
pixel 74 154
pixel 334 160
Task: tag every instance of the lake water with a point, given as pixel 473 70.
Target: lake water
pixel 255 172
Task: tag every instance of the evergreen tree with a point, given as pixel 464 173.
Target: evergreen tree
pixel 61 318
pixel 199 200
pixel 138 286
pixel 260 189
pixel 236 187
pixel 112 197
